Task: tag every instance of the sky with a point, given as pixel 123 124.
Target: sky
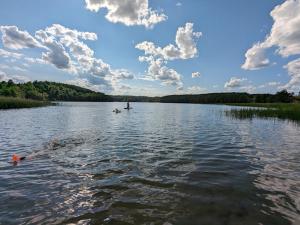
pixel 153 47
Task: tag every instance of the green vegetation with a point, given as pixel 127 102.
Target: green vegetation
pixel 15 103
pixel 40 93
pixel 233 97
pixel 266 110
pixel 50 91
pixel 121 98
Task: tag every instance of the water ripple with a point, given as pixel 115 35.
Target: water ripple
pixel 158 164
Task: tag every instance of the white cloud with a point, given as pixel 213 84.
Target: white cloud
pixel 196 74
pixel 293 69
pixel 284 36
pixel 273 83
pixel 178 4
pixel 14 38
pixel 157 57
pixel 270 84
pixel 57 37
pixel 241 84
pixel 56 55
pixel 256 58
pixel 285 33
pixel 186 45
pixel 248 88
pixel 158 71
pixel 196 90
pixel 14 78
pixel 61 31
pixel 123 74
pixel 92 71
pixel 35 60
pixel 8 54
pixel 185 40
pixel 124 87
pixel 91 82
pixel 12 67
pixel 128 12
pixel 234 82
pixel 65 49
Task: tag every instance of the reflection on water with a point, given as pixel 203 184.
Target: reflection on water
pixel 157 164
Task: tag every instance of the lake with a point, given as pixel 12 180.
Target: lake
pixel 156 164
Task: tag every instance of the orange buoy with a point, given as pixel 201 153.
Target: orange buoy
pixel 15 158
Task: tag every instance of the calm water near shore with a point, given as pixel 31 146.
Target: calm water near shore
pixel 156 164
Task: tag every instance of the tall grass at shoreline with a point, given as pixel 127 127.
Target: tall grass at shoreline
pixel 289 111
pixel 15 103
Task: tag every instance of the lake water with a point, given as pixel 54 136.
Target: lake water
pixel 156 164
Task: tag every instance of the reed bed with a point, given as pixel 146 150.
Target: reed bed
pixel 15 103
pixel 289 111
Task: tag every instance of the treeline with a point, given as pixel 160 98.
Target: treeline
pixel 125 98
pixel 50 91
pixel 233 97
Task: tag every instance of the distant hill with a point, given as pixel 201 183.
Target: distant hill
pixel 50 91
pixel 231 97
pixel 125 98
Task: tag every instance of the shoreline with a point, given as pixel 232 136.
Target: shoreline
pixel 287 111
pixel 21 103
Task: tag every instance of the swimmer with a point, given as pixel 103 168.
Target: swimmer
pixel 16 158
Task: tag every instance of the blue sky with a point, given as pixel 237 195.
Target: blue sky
pixel 213 38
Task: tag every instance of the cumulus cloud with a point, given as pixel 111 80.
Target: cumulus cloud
pixel 14 78
pixel 284 36
pixel 8 54
pixel 196 90
pixel 158 71
pixel 248 88
pixel 273 83
pixel 196 74
pixel 186 45
pixel 123 74
pixel 65 48
pixel 241 84
pixel 91 82
pixel 157 57
pixel 125 87
pixel 256 58
pixel 293 69
pixel 178 4
pixel 128 12
pixel 270 84
pixel 234 82
pixel 14 38
pixel 185 40
pixel 56 55
pixel 34 60
pixel 61 31
pixel 57 38
pixel 78 57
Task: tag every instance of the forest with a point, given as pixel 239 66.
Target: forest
pixel 50 91
pixel 53 91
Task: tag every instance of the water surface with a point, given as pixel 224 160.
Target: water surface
pixel 157 164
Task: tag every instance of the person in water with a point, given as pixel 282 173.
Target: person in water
pixel 16 158
pixel 128 105
pixel 116 110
